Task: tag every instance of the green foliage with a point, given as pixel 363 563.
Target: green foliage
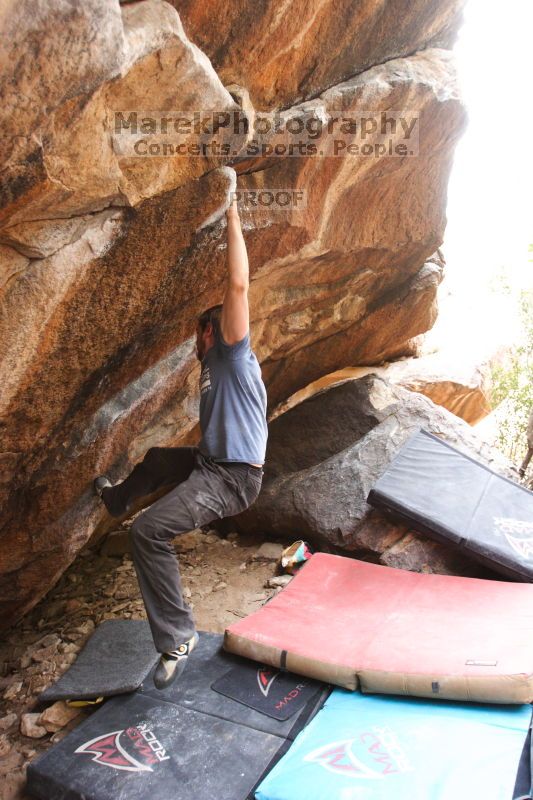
pixel 513 385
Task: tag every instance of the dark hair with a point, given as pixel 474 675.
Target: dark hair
pixel 212 315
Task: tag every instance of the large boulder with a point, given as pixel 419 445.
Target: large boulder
pixel 106 258
pixel 325 454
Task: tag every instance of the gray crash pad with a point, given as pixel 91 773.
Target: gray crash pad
pixel 115 659
pixel 455 499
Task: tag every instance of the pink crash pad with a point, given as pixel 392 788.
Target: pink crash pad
pixel 388 630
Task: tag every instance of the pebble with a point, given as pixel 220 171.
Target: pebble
pixel 29 726
pixel 48 640
pixel 44 653
pixel 189 541
pixel 85 628
pixel 70 648
pixel 57 716
pixel 269 551
pixel 279 580
pixel 120 607
pixel 13 690
pixel 123 594
pixel 8 721
pixel 220 585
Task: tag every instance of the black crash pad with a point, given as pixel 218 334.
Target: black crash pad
pixel 115 659
pixel 453 498
pixel 209 663
pixel 186 742
pixel 271 691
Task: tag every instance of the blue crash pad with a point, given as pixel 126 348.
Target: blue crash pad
pixel 370 747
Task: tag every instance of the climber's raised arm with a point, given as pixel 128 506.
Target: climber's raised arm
pixel 235 318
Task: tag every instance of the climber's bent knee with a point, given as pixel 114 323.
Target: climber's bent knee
pixel 142 529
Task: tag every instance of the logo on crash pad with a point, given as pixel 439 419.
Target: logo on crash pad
pixel 519 535
pixel 135 749
pixel 375 754
pixel 265 679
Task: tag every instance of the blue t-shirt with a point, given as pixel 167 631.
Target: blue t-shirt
pixel 233 403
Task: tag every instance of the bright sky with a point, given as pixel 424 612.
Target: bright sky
pixel 490 206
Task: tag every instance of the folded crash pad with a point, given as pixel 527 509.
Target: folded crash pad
pixel 186 742
pixel 379 748
pixel 389 630
pixel 114 659
pixel 453 498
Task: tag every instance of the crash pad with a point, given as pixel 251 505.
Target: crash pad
pixel 388 630
pixel 377 748
pixel 523 788
pixel 453 498
pixel 266 689
pixel 115 659
pixel 209 663
pixel 186 742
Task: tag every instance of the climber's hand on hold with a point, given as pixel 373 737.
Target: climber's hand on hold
pixel 232 210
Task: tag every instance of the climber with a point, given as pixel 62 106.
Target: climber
pixel 219 477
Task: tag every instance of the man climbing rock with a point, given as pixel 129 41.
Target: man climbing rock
pixel 220 477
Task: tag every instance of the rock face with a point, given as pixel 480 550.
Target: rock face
pixel 107 258
pixel 286 52
pixel 325 454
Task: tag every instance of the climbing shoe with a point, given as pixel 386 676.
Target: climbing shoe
pixel 100 483
pixel 172 664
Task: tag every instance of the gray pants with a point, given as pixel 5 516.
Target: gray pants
pixel 204 490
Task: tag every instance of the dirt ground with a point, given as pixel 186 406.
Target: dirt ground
pixel 224 578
